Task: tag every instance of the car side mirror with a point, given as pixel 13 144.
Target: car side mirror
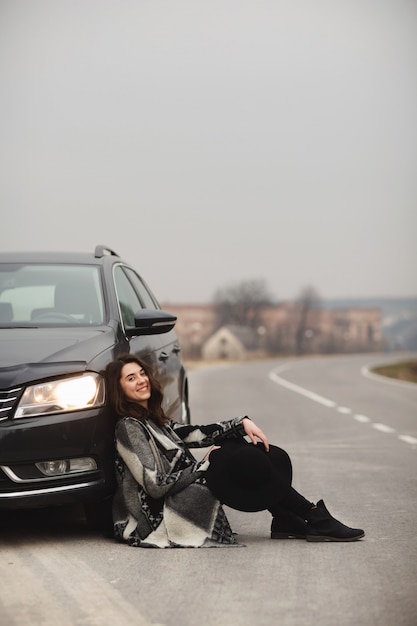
pixel 151 322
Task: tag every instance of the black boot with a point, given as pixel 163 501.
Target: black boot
pixel 321 526
pixel 287 525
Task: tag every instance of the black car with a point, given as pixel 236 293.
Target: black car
pixel 63 317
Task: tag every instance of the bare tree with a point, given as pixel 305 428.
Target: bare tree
pixel 241 303
pixel 306 301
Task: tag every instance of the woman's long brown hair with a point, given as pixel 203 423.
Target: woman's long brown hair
pixel 124 407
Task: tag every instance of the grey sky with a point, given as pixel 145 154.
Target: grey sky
pixel 211 142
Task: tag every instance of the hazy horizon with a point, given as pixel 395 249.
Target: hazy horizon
pixel 214 142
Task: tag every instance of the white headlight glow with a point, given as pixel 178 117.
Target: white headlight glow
pixel 75 393
pixel 62 395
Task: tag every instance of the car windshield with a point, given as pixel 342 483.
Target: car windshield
pixel 50 295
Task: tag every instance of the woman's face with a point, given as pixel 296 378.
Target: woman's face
pixel 135 384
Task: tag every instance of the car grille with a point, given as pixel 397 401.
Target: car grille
pixel 8 401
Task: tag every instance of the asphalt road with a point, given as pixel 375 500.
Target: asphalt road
pixel 353 442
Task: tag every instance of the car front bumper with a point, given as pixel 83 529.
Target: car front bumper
pixel 48 438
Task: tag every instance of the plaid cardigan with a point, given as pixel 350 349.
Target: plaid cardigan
pixel 162 500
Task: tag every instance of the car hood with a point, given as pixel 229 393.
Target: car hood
pixel 33 353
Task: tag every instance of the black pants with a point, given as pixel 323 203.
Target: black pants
pixel 246 477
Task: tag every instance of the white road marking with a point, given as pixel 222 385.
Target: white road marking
pixel 304 392
pixel 408 439
pixel 361 418
pixel 383 428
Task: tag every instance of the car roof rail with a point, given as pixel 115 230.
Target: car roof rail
pixel 100 251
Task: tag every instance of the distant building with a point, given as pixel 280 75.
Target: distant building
pixel 278 332
pixel 231 342
pixel 195 324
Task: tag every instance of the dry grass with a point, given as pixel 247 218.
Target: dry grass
pixel 406 370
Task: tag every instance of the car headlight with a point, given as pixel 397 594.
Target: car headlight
pixel 62 395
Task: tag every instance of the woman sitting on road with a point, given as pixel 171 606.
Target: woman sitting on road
pixel 166 498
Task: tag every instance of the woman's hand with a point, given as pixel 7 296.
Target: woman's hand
pixel 207 457
pixel 252 431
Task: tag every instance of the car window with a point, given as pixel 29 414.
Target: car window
pixel 44 295
pixel 128 299
pixel 147 298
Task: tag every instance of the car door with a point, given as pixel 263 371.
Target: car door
pixel 161 351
